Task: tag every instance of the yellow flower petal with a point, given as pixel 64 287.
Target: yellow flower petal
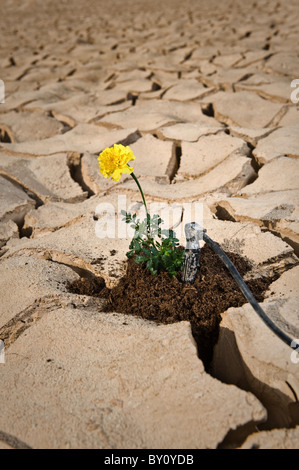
pixel 116 175
pixel 113 161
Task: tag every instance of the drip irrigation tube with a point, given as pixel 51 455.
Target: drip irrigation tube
pixel 248 294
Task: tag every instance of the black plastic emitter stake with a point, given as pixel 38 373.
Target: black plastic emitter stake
pixel 194 233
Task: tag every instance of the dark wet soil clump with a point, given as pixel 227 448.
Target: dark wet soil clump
pixel 85 286
pixel 165 299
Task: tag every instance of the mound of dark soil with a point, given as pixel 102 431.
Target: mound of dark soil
pixel 165 299
pixel 86 286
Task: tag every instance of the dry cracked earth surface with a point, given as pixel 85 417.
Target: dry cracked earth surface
pixel 202 93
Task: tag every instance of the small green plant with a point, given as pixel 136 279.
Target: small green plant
pixel 157 248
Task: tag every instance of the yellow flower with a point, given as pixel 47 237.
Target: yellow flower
pixel 113 161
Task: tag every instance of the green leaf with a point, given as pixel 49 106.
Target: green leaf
pixel 162 255
pixel 154 250
pixel 136 242
pixel 149 264
pixel 140 259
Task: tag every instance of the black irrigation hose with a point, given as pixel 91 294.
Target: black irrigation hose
pixel 248 294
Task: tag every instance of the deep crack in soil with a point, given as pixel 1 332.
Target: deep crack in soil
pixel 164 299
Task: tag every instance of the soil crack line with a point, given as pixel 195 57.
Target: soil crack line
pixel 13 441
pixel 10 332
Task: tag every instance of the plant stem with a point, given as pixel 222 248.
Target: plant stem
pixel 139 187
pixel 143 199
